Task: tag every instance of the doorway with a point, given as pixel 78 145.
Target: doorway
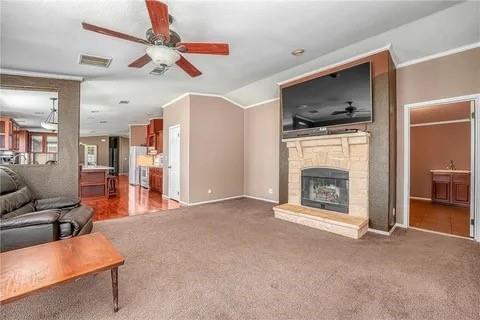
pixel 440 152
pixel 174 162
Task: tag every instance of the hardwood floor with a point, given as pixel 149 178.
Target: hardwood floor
pixel 440 218
pixel 131 200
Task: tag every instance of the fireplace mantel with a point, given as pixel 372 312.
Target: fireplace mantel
pixel 349 152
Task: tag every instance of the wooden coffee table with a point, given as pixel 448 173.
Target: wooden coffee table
pixel 28 270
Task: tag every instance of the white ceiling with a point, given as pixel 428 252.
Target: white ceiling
pixel 28 108
pixel 47 36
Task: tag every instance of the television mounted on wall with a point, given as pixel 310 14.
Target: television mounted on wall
pixel 337 99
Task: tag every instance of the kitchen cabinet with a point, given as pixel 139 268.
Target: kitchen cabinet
pixel 156 179
pixel 155 136
pixel 41 142
pixel 6 133
pixel 451 187
pixel 159 142
pixel 22 141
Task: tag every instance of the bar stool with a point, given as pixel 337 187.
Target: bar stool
pixel 112 183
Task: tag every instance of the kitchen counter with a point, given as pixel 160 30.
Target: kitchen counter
pixel 449 171
pixel 93 181
pixel 96 168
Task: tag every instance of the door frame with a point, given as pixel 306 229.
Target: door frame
pixel 85 153
pixel 474 153
pixel 168 164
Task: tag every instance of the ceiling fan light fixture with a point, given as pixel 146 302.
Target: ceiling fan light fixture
pixel 163 56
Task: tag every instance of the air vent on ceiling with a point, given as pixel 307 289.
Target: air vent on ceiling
pixel 158 71
pixel 94 61
pixel 124 102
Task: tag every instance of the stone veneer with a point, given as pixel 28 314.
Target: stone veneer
pixel 341 151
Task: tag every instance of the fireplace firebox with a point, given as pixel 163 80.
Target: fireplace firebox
pixel 325 188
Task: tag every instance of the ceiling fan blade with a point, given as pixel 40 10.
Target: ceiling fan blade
pixel 111 33
pixel 140 62
pixel 158 12
pixel 204 48
pixel 188 67
pixel 334 113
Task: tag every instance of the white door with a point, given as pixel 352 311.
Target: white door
pixel 174 162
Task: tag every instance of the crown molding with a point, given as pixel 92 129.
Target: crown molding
pixel 187 94
pixel 14 72
pixel 338 64
pixel 439 55
pixel 261 103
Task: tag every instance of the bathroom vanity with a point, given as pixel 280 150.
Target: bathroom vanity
pixel 451 187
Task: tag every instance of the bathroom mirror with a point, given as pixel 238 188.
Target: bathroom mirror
pixel 28 127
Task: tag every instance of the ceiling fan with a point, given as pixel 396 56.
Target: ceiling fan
pixel 350 110
pixel 164 45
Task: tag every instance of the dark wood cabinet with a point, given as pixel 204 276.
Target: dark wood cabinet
pixel 6 133
pixel 23 143
pixel 159 142
pixel 155 136
pixel 451 187
pixel 156 179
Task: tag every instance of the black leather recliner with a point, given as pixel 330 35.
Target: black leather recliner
pixel 26 221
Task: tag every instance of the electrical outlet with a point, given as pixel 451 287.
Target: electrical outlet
pixel 270 191
pixel 394 212
pixel 209 190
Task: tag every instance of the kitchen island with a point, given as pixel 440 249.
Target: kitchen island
pixel 93 181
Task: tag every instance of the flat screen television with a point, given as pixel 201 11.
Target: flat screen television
pixel 339 98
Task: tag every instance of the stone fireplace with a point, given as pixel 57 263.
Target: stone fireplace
pixel 328 183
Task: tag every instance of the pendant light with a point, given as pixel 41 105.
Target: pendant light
pixel 51 123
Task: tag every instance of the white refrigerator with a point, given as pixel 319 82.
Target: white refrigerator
pixel 134 169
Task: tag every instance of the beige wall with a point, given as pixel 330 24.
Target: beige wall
pixel 102 149
pixel 178 113
pixel 138 135
pixel 216 149
pixel 261 159
pixel 450 76
pixel 432 147
pixel 124 153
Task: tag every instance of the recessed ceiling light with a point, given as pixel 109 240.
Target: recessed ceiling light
pixel 298 52
pixel 124 102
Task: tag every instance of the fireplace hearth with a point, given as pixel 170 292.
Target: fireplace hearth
pixel 325 188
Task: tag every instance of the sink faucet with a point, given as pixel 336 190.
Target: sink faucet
pixel 451 165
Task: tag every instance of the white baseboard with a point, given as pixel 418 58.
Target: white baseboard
pixel 261 199
pixel 420 198
pixel 387 233
pixel 214 200
pixel 401 225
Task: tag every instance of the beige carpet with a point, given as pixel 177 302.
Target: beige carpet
pixel 233 260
